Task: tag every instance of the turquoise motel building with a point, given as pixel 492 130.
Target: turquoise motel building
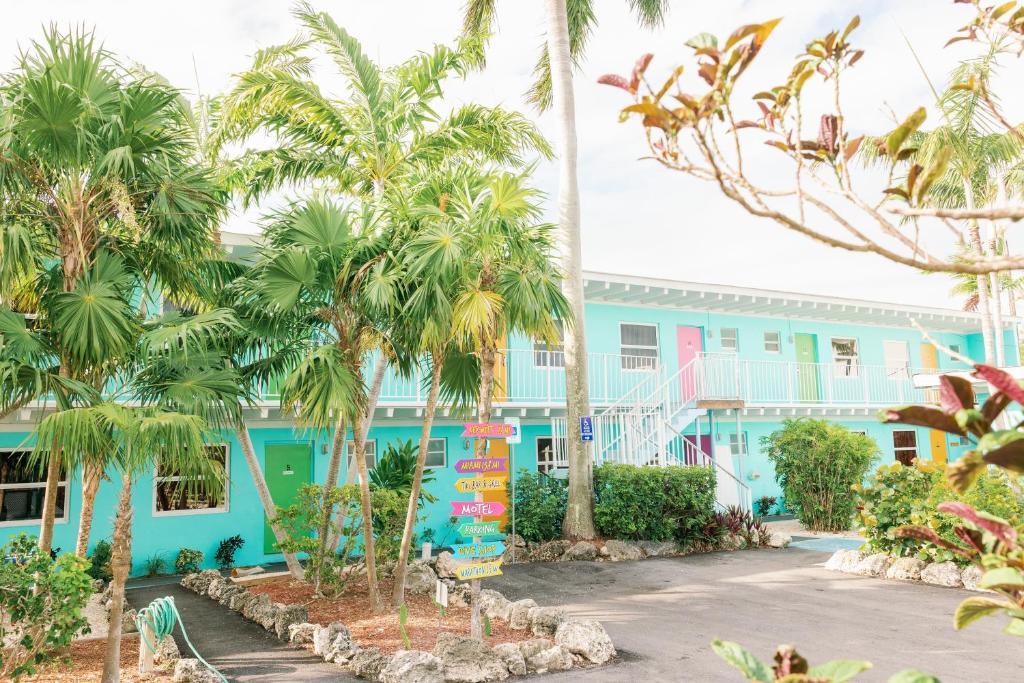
pixel 680 373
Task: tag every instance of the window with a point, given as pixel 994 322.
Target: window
pixel 955 348
pixel 172 494
pixel 844 357
pixel 437 453
pixel 369 451
pixel 738 443
pixel 550 356
pixel 639 346
pixel 730 339
pixel 772 342
pixel 22 489
pixel 904 445
pixel 550 453
pixel 897 359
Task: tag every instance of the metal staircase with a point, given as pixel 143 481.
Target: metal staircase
pixel 647 426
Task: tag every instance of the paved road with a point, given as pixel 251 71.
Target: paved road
pixel 663 613
pixel 238 648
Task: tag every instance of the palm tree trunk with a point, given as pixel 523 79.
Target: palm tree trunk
pixel 120 565
pixel 398 595
pixel 91 477
pixel 50 500
pixel 579 514
pixel 376 384
pixel 368 544
pixel 260 483
pixel 327 539
pixel 974 234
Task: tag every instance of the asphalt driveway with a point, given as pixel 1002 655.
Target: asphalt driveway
pixel 663 613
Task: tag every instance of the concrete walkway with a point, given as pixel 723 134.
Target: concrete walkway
pixel 238 648
pixel 663 614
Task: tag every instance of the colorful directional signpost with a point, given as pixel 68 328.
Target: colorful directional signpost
pixel 472 550
pixel 480 570
pixel 471 485
pixel 472 529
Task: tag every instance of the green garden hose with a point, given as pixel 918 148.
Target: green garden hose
pixel 161 615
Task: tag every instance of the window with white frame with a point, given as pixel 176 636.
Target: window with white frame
pixel 897 359
pixel 437 453
pixel 772 342
pixel 23 487
pixel 548 452
pixel 730 339
pixel 845 358
pixel 955 348
pixel 738 443
pixel 904 445
pixel 369 452
pixel 174 493
pixel 638 344
pixel 550 355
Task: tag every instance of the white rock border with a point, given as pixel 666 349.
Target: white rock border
pixel 560 642
pixel 907 569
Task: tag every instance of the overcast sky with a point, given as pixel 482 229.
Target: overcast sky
pixel 637 218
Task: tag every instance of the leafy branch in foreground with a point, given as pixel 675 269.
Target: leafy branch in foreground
pixel 790 667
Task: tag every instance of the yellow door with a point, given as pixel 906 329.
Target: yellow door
pixel 930 361
pixel 940 451
pixel 497 448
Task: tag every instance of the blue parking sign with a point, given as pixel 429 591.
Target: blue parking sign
pixel 586 428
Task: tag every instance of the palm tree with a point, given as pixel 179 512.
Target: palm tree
pixel 485 264
pixel 94 158
pixel 569 24
pixel 137 438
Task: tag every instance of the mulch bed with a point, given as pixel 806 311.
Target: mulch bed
pixel 84 664
pixel 381 631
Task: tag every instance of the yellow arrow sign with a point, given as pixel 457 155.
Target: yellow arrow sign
pixel 473 485
pixel 478 571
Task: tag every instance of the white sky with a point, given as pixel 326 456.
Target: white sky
pixel 637 218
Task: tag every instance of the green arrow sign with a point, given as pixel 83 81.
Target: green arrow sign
pixel 471 529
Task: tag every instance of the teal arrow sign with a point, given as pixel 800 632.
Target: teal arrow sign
pixel 467 550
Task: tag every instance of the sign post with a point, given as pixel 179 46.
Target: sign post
pixel 586 428
pixel 517 438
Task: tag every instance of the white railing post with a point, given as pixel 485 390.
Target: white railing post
pixel 867 384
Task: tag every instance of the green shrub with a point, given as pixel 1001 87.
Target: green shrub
pixel 816 463
pixel 540 503
pixel 389 509
pixel 41 603
pixel 396 468
pixel 99 567
pixel 896 495
pixel 188 560
pixel 226 549
pixel 653 503
pixel 155 564
pixel 764 505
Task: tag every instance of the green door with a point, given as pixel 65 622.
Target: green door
pixel 807 369
pixel 287 466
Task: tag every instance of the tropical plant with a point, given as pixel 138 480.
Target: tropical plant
pixel 539 505
pixel 568 26
pixel 790 667
pixel 155 564
pixel 226 549
pixel 765 505
pixel 396 469
pixel 816 463
pixel 99 561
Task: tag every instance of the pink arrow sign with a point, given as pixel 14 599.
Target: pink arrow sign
pixel 464 508
pixel 488 430
pixel 481 465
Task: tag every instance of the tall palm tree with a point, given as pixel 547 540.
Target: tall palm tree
pixel 491 259
pixel 569 24
pixel 94 157
pixel 138 438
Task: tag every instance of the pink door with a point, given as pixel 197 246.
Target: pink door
pixel 705 445
pixel 689 342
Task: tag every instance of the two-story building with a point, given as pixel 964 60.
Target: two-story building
pixel 679 373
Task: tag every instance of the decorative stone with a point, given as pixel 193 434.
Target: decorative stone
pixel 658 548
pixel 555 658
pixel 873 565
pixel 412 666
pixel 544 621
pixel 778 539
pixel 515 540
pixel 368 663
pixel 201 582
pixel 529 648
pixel 581 551
pixel 844 560
pixel 420 578
pixel 227 591
pixel 258 604
pixel 585 637
pixel 267 616
pixel 551 551
pixel 445 564
pixel 513 658
pixel 460 595
pixel 193 671
pixel 468 660
pixel 493 604
pixel 302 634
pixel 619 551
pixel 215 586
pixel 905 569
pixel 733 542
pixel 519 614
pixel 942 574
pixel 603 552
pixel 239 601
pixel 970 577
pixel 166 653
pixel 286 617
pixel 128 621
pixel 334 643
